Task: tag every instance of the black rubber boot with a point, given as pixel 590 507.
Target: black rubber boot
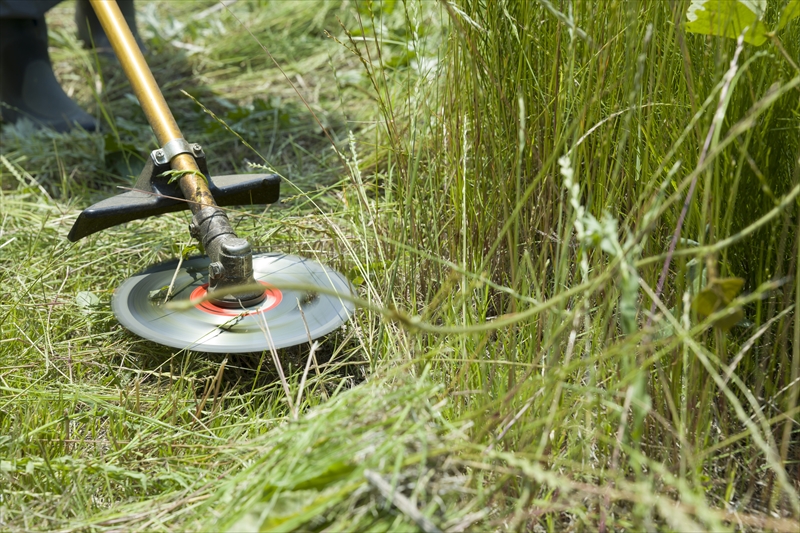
pixel 28 87
pixel 91 32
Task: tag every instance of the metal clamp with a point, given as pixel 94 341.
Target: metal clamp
pixel 175 147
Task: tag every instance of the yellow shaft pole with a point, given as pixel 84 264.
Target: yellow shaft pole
pixel 194 188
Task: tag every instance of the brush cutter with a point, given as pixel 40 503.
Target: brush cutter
pixel 232 300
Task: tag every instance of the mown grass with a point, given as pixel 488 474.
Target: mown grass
pixel 505 203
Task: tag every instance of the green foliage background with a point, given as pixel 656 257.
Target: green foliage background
pixel 504 186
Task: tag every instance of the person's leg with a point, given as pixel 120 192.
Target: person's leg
pixel 25 9
pixel 28 87
pixel 91 32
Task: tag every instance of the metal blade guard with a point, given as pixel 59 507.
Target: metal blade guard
pixel 155 194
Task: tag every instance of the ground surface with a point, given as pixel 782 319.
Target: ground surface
pixel 502 185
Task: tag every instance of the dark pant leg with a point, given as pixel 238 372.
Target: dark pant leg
pixel 27 9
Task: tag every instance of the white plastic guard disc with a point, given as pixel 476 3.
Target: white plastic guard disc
pixel 288 316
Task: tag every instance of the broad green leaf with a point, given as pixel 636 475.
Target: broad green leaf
pixel 728 18
pixel 189 250
pixel 791 11
pixel 86 299
pixel 716 296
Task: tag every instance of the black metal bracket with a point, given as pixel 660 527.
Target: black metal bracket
pixel 153 194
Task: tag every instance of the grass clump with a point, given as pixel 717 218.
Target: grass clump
pixel 574 231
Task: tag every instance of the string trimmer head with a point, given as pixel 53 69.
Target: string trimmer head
pixel 231 300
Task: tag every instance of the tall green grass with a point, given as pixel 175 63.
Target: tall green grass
pixel 505 183
pixel 558 145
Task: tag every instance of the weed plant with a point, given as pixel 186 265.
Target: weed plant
pixel 573 227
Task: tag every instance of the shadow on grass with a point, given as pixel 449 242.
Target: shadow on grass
pixel 335 364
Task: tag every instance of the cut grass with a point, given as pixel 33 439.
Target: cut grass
pixel 525 383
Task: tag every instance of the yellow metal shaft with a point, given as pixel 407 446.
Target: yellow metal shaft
pixel 194 188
